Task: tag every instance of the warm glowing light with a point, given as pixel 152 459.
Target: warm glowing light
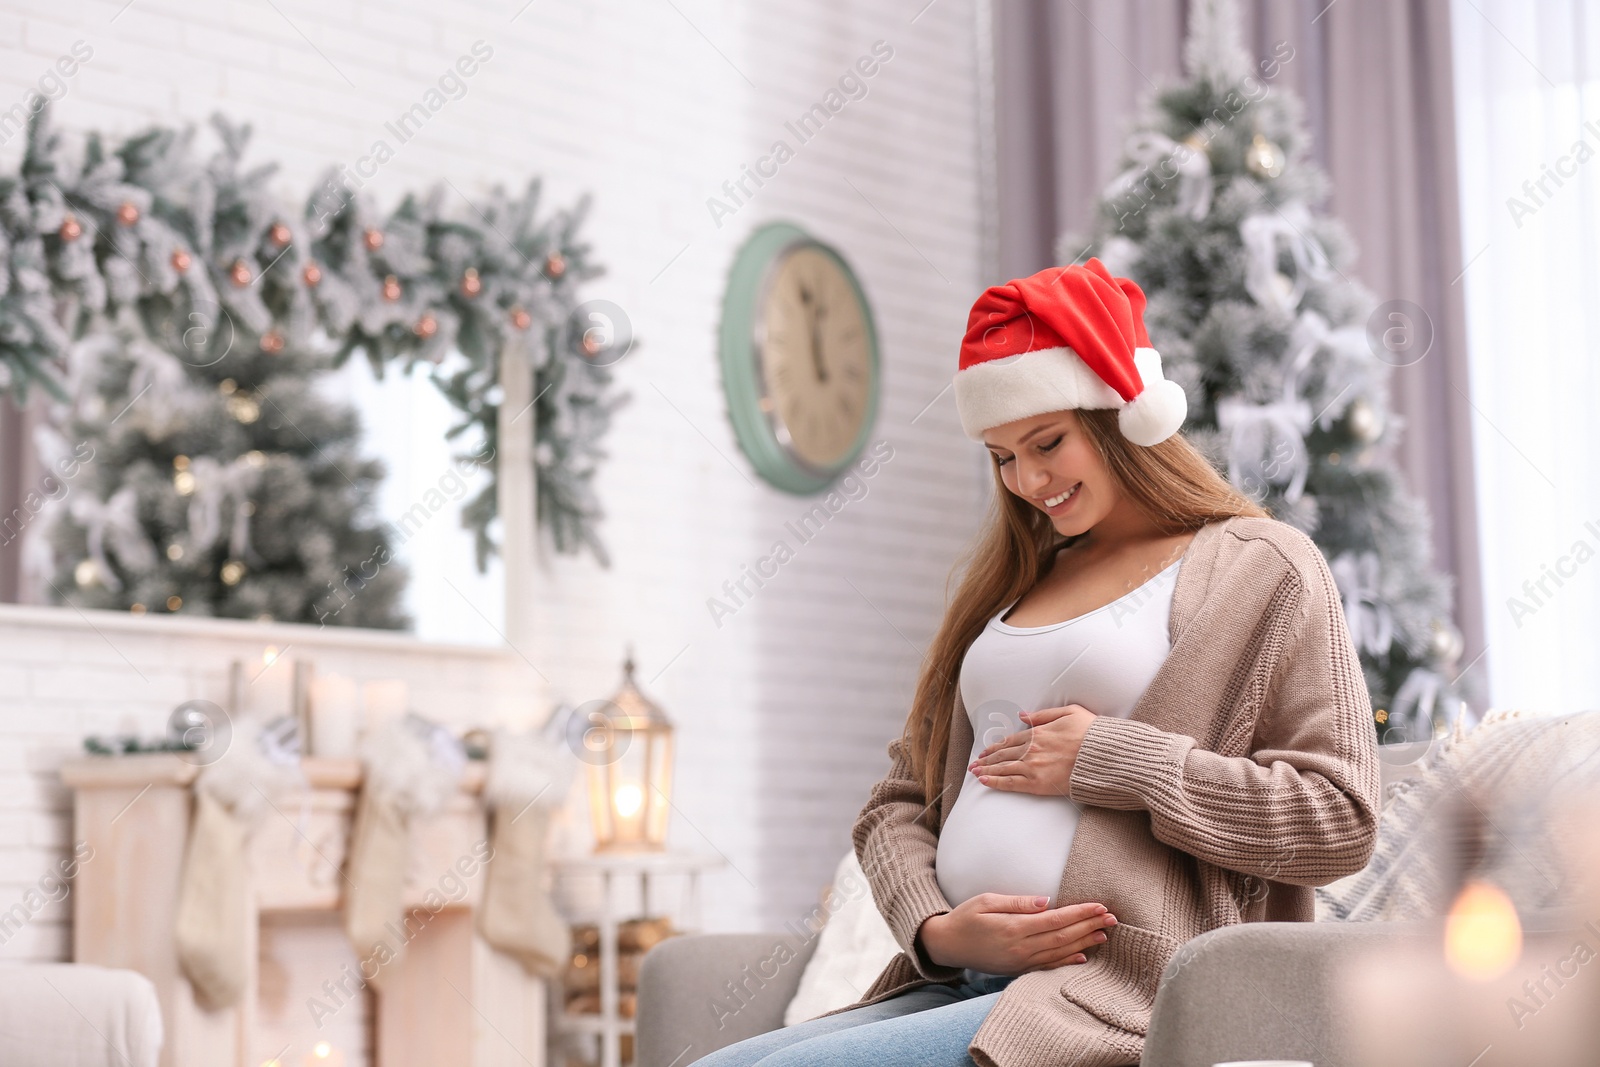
pixel 1482 936
pixel 628 800
pixel 269 655
pixel 322 1050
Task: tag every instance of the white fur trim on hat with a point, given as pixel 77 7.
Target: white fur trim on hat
pixel 1159 409
pixel 1004 390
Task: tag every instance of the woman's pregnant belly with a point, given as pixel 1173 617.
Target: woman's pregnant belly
pixel 1003 841
pixel 996 841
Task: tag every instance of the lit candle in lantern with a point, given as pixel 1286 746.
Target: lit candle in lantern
pixel 628 800
pixel 630 769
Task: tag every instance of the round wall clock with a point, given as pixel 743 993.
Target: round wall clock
pixel 799 358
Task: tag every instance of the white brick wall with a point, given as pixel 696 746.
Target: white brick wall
pixel 783 711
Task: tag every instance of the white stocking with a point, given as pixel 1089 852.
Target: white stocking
pixel 212 929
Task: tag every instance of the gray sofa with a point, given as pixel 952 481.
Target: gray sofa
pixel 1208 1009
pixel 685 1010
pixel 1255 990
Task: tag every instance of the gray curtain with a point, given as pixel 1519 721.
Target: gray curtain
pixel 1376 79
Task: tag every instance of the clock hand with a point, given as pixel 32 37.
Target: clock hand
pixel 816 342
pixel 812 312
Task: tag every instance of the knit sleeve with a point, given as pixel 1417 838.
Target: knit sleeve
pixel 1302 808
pixel 897 852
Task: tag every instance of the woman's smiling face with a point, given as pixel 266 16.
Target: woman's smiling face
pixel 1045 456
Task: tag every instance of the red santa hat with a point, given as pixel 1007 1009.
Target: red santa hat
pixel 1065 338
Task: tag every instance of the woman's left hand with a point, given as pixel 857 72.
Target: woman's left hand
pixel 1040 759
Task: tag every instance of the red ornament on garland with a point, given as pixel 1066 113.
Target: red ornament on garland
pixel 128 213
pixel 180 260
pixel 239 273
pixel 471 284
pixel 521 319
pixel 71 229
pixel 554 265
pixel 373 239
pixel 426 326
pixel 280 235
pixel 272 342
pixel 391 288
pixel 312 274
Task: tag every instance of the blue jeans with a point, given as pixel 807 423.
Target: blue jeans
pixel 930 1026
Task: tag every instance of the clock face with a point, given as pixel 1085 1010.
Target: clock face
pixel 799 358
pixel 815 357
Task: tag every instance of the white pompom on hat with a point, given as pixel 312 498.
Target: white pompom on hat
pixel 1065 338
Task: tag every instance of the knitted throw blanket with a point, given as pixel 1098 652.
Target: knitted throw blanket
pixel 1489 803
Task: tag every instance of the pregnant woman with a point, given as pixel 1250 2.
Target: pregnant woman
pixel 1142 718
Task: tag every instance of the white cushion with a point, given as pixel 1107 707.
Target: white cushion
pixel 853 949
pixel 77 1015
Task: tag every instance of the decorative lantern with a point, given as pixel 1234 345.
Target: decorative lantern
pixel 628 744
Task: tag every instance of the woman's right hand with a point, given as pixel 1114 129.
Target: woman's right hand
pixel 998 933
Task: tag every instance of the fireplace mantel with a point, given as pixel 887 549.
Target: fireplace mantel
pixel 451 998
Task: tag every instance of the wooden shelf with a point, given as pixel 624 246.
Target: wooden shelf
pixel 584 1022
pixel 177 768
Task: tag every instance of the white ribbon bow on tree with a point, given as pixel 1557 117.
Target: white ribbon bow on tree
pixel 157 378
pixel 1261 234
pixel 1370 621
pixel 214 484
pixel 1267 441
pixel 1412 708
pixel 115 520
pixel 1423 690
pixel 1266 444
pixel 1149 150
pixel 1353 362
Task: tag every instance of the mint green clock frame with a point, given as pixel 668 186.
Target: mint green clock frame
pixel 742 380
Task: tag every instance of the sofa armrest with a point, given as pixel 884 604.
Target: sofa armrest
pixel 702 992
pixel 1264 990
pixel 77 1015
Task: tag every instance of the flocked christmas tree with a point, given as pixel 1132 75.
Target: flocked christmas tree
pixel 181 317
pixel 232 488
pixel 1253 312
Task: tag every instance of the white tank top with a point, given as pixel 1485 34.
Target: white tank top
pixel 998 841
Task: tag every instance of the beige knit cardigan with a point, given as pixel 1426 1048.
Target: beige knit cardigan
pixel 1245 775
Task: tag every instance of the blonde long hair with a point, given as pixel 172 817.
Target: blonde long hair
pixel 1172 482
